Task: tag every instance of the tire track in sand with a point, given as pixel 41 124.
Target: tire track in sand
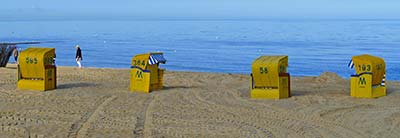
pixel 80 129
pixel 312 121
pixel 141 119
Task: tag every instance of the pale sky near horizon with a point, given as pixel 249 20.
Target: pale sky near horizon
pixel 201 9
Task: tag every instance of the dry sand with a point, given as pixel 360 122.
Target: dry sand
pixel 96 103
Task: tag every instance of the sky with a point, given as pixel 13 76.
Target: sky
pixel 198 9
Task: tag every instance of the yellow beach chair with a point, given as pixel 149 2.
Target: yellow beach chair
pixel 269 78
pixel 37 70
pixel 145 74
pixel 369 80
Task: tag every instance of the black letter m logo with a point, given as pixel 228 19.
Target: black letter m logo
pixel 362 81
pixel 139 74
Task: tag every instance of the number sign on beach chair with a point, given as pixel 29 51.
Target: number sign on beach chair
pixel 369 80
pixel 269 78
pixel 36 69
pixel 145 74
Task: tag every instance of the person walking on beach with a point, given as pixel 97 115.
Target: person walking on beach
pixel 15 53
pixel 78 56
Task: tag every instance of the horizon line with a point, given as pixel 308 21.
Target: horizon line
pixel 199 19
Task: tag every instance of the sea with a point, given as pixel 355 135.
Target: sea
pixel 218 46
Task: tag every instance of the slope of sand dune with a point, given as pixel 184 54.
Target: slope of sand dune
pixel 96 103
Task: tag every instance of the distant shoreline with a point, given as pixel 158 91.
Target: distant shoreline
pixel 13 66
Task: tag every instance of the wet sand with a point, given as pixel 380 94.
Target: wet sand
pixel 94 102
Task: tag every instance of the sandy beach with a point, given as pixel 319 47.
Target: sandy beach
pixel 94 102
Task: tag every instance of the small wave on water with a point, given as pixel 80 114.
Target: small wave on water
pixel 313 47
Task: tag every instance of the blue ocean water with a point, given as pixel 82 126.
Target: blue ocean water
pixel 230 46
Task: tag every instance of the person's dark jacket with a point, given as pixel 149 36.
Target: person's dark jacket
pixel 79 53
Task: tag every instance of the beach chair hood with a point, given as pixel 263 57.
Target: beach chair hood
pixel 34 61
pixel 370 64
pixel 266 70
